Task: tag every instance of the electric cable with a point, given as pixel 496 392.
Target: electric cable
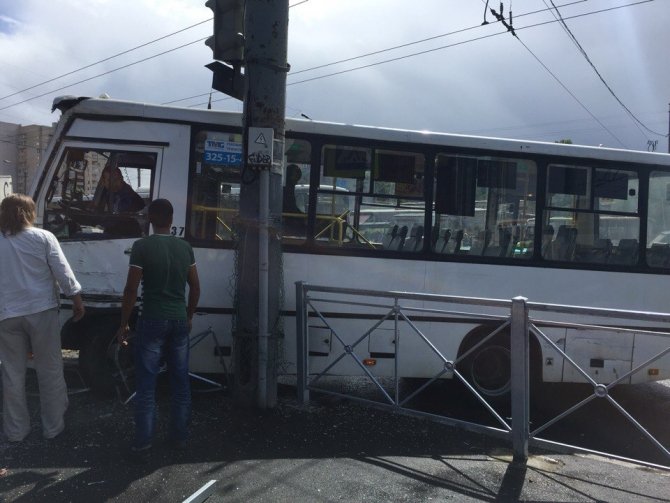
pixel 104 73
pixel 359 57
pixel 115 56
pixel 602 79
pixel 105 59
pixel 572 94
pixel 381 51
pixel 426 51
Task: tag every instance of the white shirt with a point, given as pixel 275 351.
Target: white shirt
pixel 32 264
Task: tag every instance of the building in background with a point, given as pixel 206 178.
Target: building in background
pixel 21 150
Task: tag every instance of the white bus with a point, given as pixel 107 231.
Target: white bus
pixel 410 211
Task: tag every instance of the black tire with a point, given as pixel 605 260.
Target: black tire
pixel 106 367
pixel 488 369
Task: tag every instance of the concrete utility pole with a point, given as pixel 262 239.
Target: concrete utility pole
pixel 256 342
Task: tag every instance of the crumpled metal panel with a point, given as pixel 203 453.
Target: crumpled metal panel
pixel 101 266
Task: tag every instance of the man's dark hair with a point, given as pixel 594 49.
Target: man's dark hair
pixel 160 213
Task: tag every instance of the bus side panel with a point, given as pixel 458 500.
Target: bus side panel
pixel 100 266
pixel 645 348
pixel 604 356
pixel 216 273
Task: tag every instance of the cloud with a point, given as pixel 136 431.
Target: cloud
pixel 469 77
pixel 7 24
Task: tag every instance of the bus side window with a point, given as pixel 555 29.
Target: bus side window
pixel 491 200
pixel 295 190
pixel 98 194
pixel 658 220
pixel 215 186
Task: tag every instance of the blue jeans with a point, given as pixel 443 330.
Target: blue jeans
pixel 158 341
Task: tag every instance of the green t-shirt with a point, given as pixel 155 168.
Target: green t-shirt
pixel 165 261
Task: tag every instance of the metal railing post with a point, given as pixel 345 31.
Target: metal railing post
pixel 396 345
pixel 520 381
pixel 301 342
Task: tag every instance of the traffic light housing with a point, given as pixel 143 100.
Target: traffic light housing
pixel 227 80
pixel 227 43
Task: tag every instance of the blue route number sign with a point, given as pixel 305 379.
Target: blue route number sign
pixel 226 153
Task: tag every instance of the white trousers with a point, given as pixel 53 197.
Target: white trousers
pixel 40 334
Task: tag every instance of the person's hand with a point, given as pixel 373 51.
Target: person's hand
pixel 122 335
pixel 78 309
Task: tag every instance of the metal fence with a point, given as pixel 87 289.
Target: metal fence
pixel 518 317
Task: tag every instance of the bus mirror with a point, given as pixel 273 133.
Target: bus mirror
pixel 456 186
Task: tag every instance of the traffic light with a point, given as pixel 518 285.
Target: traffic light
pixel 227 80
pixel 227 43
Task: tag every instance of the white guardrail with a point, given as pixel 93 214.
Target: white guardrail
pixel 396 309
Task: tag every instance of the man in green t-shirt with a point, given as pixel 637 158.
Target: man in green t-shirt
pixel 164 264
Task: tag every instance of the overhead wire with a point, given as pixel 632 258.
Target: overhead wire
pixel 562 22
pixel 199 40
pixel 557 16
pixel 571 93
pixel 115 56
pixel 426 51
pixel 336 62
pixel 500 16
pixel 103 73
pixel 602 79
pixel 381 51
pixel 106 59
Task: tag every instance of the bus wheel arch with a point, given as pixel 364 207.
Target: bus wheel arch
pixel 488 368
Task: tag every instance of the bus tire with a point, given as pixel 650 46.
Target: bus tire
pixel 98 363
pixel 488 369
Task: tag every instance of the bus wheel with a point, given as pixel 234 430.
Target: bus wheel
pixel 489 370
pixel 106 367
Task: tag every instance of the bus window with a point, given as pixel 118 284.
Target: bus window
pixel 100 194
pixel 366 192
pixel 602 226
pixel 658 220
pixel 295 189
pixel 484 206
pixel 398 173
pixel 215 185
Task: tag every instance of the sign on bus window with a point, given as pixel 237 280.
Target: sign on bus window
pixel 567 180
pixel 456 185
pixel 345 162
pixel 227 153
pixel 611 184
pixel 496 174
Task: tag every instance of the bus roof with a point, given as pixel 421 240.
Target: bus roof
pixel 108 108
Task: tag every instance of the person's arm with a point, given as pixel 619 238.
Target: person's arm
pixel 129 298
pixel 62 272
pixel 193 292
pixel 78 309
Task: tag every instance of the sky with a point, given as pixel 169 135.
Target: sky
pixel 600 78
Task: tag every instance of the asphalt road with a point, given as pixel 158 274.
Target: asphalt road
pixel 330 450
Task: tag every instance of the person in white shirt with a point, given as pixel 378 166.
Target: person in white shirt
pixel 32 267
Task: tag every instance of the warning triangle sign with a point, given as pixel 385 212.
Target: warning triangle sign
pixel 261 139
